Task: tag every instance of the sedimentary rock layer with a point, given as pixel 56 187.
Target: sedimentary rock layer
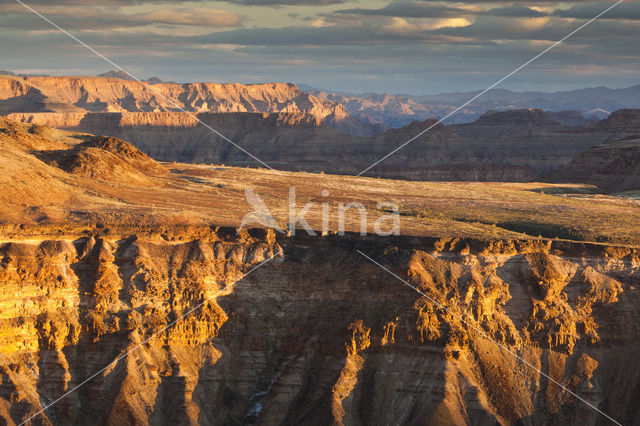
pixel 500 146
pixel 319 334
pixel 73 95
pixel 614 166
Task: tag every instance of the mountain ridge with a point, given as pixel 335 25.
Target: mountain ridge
pixel 396 110
pixel 101 94
pixel 125 76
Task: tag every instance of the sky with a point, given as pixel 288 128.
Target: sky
pixel 412 47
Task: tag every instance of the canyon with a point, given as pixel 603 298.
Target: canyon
pixel 614 166
pixel 103 94
pixel 55 177
pixel 289 129
pixel 319 335
pixel 130 289
pixel 509 146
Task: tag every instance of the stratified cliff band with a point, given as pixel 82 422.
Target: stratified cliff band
pixel 320 335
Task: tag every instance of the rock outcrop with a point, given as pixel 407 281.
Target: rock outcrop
pixel 614 166
pixel 107 158
pixel 319 335
pixel 55 177
pixel 293 130
pixel 622 120
pixel 98 94
pixel 147 296
pixel 500 146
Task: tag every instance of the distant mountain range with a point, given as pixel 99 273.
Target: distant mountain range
pixel 124 76
pixel 377 112
pixel 400 110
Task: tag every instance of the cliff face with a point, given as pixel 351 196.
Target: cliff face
pixel 94 94
pixel 614 166
pixel 500 146
pixel 293 130
pixel 318 335
pixel 624 118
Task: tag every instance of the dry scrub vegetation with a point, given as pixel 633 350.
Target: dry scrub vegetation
pixel 40 193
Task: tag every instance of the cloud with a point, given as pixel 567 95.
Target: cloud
pixel 630 11
pixel 407 65
pixel 96 2
pixel 321 22
pixel 490 2
pixel 105 19
pixel 413 46
pixel 410 10
pixel 403 27
pixel 285 2
pixel 319 36
pixel 515 11
pixel 192 16
pixel 545 28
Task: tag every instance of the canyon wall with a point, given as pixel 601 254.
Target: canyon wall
pixel 293 130
pixel 73 95
pixel 614 166
pixel 319 334
pixel 512 146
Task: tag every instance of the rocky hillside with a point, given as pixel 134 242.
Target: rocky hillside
pixel 319 335
pixel 624 119
pixel 292 130
pixel 108 158
pixel 101 94
pixel 614 166
pixel 500 146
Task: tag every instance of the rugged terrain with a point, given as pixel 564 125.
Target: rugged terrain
pixel 102 248
pixel 614 166
pixel 102 94
pixel 511 146
pixel 399 110
pixel 320 335
pixel 293 130
pixel 42 186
